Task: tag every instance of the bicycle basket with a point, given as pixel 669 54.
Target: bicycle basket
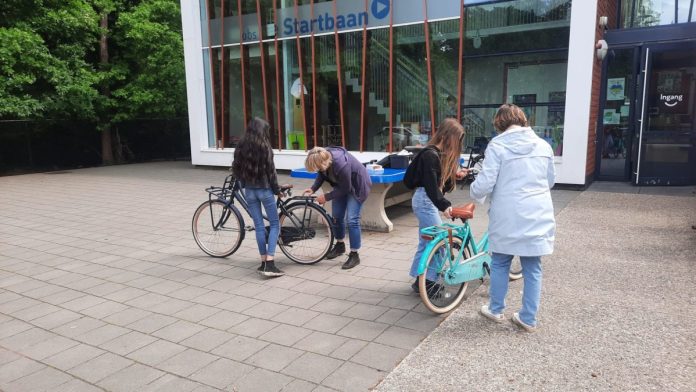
pixel 292 234
pixel 469 269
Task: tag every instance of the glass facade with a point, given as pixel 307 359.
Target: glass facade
pixel 379 75
pixel 646 13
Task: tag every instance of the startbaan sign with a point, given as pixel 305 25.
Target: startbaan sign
pixel 349 15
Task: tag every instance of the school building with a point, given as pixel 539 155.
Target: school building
pixel 610 84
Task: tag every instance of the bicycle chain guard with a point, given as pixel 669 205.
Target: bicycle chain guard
pixel 470 269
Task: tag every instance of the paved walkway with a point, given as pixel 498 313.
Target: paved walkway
pixel 617 314
pixel 103 288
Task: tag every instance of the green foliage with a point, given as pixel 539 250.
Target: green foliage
pixel 50 64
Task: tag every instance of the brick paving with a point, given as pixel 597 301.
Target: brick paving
pixel 103 288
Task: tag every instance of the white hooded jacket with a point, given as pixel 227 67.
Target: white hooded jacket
pixel 518 172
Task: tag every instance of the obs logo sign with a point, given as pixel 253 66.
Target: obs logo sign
pixel 380 8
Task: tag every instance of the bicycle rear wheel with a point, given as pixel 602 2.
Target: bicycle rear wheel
pixel 515 268
pixel 306 233
pixel 217 228
pixel 437 295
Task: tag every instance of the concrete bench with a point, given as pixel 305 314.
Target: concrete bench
pixel 387 190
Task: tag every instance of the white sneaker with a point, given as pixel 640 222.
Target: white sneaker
pixel 498 318
pixel 526 327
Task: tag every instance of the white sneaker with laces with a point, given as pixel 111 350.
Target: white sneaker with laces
pixel 485 312
pixel 524 326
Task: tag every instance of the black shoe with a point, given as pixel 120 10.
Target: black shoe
pixel 353 260
pixel 269 269
pixel 415 287
pixel 430 286
pixel 338 249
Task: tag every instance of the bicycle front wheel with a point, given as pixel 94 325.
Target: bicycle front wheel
pixel 306 233
pixel 217 228
pixel 437 295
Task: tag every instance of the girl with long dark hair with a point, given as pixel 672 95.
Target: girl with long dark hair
pixel 253 166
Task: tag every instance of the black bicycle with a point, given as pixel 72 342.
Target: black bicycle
pixel 306 232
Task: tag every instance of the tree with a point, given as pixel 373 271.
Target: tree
pixel 104 61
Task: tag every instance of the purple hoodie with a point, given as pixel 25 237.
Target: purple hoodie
pixel 348 174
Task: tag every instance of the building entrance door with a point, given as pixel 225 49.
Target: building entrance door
pixel 666 118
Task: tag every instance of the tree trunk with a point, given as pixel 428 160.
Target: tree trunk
pixel 107 149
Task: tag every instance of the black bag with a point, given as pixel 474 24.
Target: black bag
pixel 395 161
pixel 410 176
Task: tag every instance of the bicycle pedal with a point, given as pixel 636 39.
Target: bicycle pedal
pixel 249 228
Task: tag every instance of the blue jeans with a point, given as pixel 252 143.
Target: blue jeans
pixel 427 215
pixel 343 206
pixel 255 197
pixel 531 270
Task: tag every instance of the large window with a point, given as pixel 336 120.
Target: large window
pixel 646 13
pixel 376 87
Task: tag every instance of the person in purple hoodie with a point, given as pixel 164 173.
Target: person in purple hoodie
pixel 351 186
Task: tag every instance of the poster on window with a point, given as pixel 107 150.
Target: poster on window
pixel 524 101
pixel 615 89
pixel 611 117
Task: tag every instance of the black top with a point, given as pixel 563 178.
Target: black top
pixel 428 176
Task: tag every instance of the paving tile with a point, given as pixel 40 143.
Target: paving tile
pixel 380 357
pixel 213 298
pixel 424 322
pixel 7 356
pixel 401 337
pixel 127 316
pixel 365 311
pixel 156 352
pixel 239 348
pixel 187 362
pixel 18 305
pixel 102 334
pixel 333 306
pixel 126 294
pixel 84 302
pixel 302 300
pixel 76 385
pixel 353 377
pixel 152 323
pixel 224 320
pixel 274 357
pixel 25 339
pixel 299 386
pixel 207 339
pixel 196 313
pixel 361 329
pixel 405 302
pixel 46 379
pixel 295 316
pixel 320 343
pixel 391 316
pixel 286 335
pixel 132 378
pixel 62 297
pixel 261 380
pixel 13 327
pixel 147 301
pixel 100 367
pixel 104 309
pixel 36 311
pixel 328 323
pixel 18 369
pixel 49 347
pixel 348 349
pixel 310 287
pixel 170 383
pixel 73 356
pixel 188 293
pixel 56 319
pixel 78 327
pixel 126 344
pixel 178 331
pixel 339 292
pixel 222 373
pixel 253 327
pixel 171 306
pixel 312 367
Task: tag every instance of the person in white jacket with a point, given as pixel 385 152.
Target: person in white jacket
pixel 518 174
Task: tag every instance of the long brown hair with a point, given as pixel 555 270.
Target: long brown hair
pixel 448 139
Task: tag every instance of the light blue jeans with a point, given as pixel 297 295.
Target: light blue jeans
pixel 255 198
pixel 347 206
pixel 531 270
pixel 427 215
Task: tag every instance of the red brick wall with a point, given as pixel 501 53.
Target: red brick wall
pixel 604 8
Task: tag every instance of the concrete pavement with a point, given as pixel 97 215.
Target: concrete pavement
pixel 103 288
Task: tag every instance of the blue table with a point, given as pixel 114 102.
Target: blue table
pixel 387 190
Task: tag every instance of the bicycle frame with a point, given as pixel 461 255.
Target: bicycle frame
pixel 446 232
